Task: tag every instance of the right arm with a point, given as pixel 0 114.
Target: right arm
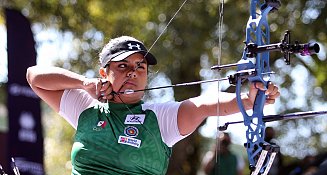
pixel 49 84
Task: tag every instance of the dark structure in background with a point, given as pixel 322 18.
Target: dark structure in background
pixel 24 137
pixel 3 148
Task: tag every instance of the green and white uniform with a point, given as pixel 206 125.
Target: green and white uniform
pixel 113 138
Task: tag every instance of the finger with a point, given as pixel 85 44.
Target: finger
pixel 101 99
pixel 270 88
pixel 98 87
pixel 110 96
pixel 270 101
pixel 106 92
pixel 105 84
pixel 101 87
pixel 104 95
pixel 276 90
pixel 104 81
pixel 274 96
pixel 259 85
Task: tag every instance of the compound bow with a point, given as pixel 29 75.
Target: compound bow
pixel 254 66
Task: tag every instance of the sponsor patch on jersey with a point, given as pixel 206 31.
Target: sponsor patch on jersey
pixel 131 131
pixel 129 141
pixel 135 119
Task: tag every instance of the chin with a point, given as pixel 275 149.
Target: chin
pixel 129 98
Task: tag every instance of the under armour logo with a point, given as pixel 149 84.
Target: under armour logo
pixel 131 46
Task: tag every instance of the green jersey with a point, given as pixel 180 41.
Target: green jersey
pixel 113 138
pixel 227 165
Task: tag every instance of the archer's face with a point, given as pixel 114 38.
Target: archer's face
pixel 123 75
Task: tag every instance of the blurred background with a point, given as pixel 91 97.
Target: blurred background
pixel 71 33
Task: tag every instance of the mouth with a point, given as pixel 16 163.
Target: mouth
pixel 130 83
pixel 129 87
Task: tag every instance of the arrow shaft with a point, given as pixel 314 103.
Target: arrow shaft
pixel 278 117
pixel 175 85
pixel 297 115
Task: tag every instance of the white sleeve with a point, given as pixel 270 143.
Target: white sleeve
pixel 73 102
pixel 240 163
pixel 167 119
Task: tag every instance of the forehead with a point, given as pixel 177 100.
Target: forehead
pixel 135 58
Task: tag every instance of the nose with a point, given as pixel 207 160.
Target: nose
pixel 131 74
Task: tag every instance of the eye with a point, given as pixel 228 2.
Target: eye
pixel 140 65
pixel 122 65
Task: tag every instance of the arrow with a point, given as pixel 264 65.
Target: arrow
pixel 278 117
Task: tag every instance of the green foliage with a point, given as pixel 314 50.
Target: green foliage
pixel 58 142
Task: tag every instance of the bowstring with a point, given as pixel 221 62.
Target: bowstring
pixel 180 7
pixel 138 66
pixel 156 40
pixel 220 36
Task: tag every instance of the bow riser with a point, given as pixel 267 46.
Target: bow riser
pixel 257 32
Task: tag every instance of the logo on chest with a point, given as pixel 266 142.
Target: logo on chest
pixel 134 119
pixel 100 125
pixel 129 141
pixel 131 131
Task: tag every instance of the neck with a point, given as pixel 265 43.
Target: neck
pixel 126 99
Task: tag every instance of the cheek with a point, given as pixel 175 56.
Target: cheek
pixel 144 83
pixel 113 79
pixel 111 76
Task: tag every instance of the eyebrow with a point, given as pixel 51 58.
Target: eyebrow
pixel 137 62
pixel 142 61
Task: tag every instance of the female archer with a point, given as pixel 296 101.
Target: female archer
pixel 116 132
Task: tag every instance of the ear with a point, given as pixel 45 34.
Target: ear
pixel 102 72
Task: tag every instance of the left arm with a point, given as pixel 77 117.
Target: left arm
pixel 193 111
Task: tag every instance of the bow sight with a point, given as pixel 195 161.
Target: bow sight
pixel 285 47
pixel 252 49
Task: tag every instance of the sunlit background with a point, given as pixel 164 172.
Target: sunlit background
pixel 295 138
pixel 53 45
